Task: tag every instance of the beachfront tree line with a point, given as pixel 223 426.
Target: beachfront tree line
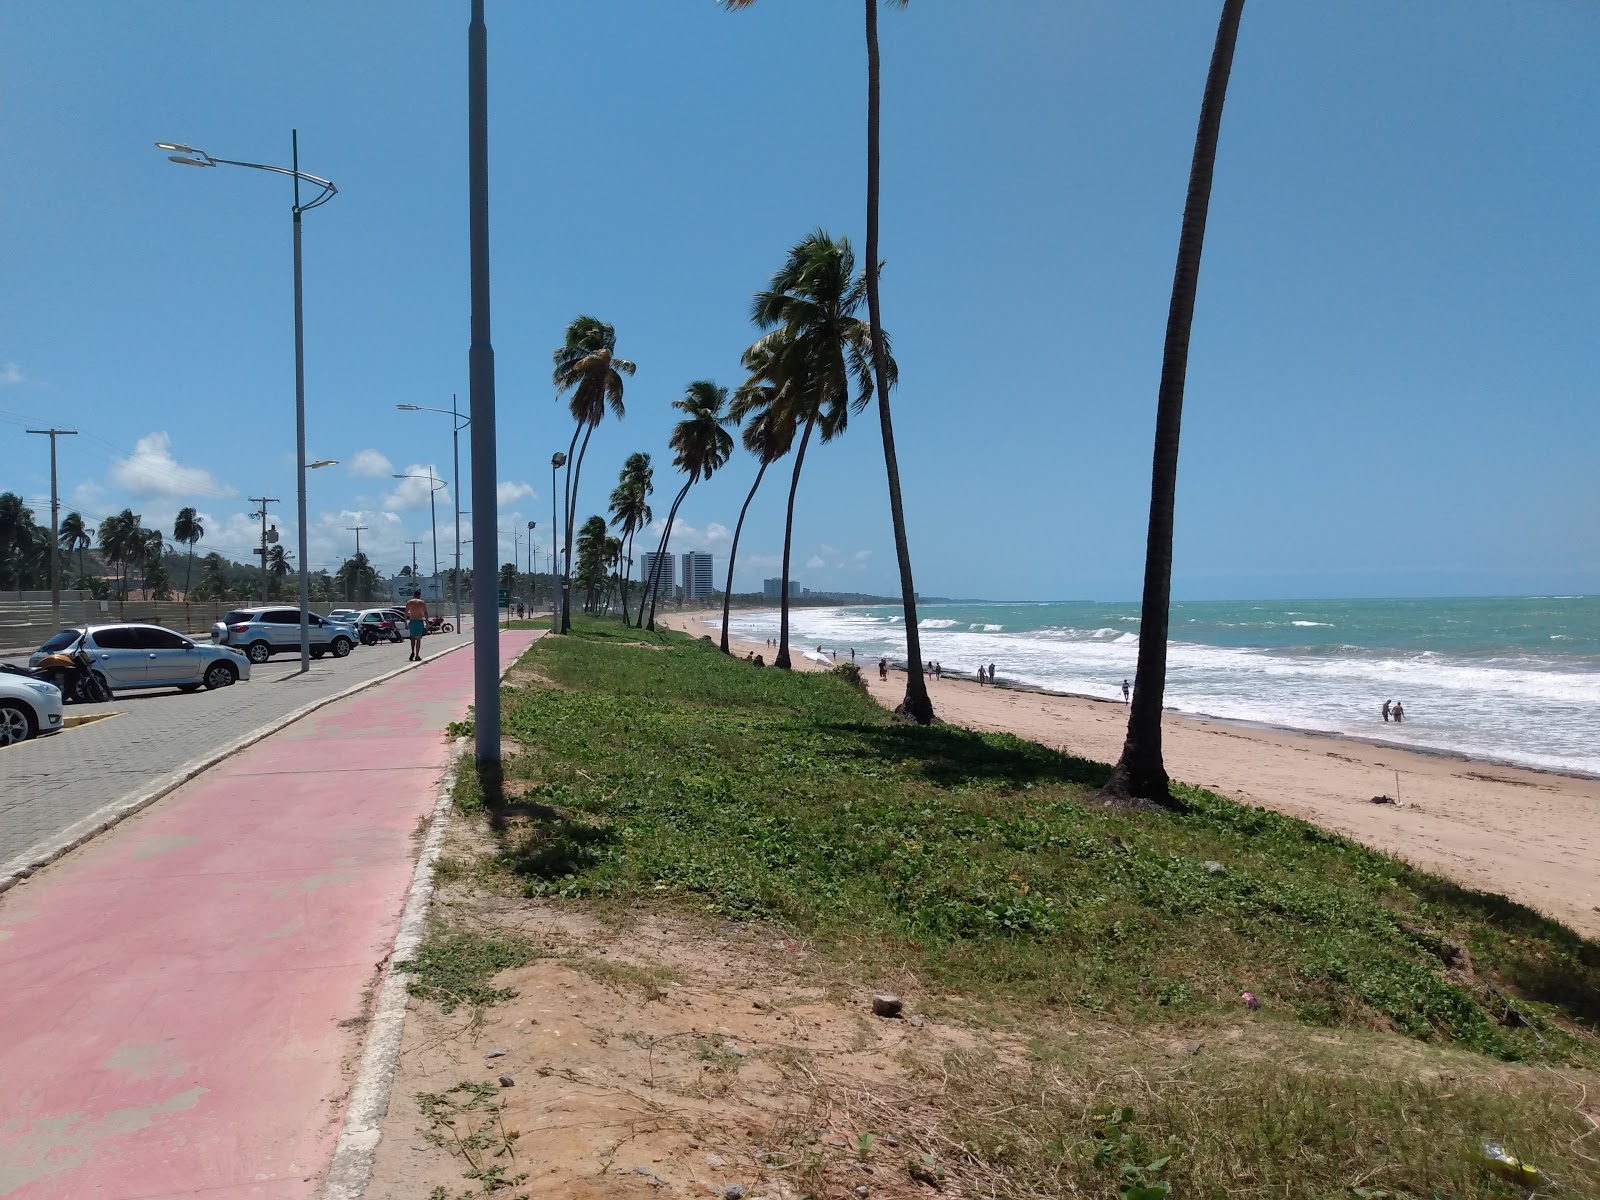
pixel 815 364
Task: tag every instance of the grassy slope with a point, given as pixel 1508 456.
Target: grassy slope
pixel 973 864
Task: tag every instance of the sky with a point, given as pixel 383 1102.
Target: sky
pixel 1393 375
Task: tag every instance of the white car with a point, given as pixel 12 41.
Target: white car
pixel 29 708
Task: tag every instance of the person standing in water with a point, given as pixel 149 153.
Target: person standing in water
pixel 991 674
pixel 1398 712
pixel 1387 705
pixel 416 623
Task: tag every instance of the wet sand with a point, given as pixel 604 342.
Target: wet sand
pixel 1531 835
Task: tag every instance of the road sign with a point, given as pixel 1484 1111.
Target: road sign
pixel 504 596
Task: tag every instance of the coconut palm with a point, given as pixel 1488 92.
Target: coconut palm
pixel 916 704
pixel 75 538
pixel 357 577
pixel 153 566
pixel 816 346
pixel 586 364
pixel 1141 773
pixel 18 542
pixel 592 560
pixel 768 434
pixel 700 445
pixel 277 567
pixel 630 510
pixel 214 578
pixel 122 542
pixel 186 531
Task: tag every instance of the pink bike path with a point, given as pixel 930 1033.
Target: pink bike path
pixel 180 1000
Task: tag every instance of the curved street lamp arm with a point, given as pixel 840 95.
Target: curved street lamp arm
pixel 202 159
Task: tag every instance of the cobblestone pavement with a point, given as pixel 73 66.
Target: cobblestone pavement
pixel 48 784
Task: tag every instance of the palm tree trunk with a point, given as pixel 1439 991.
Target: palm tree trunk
pixel 572 512
pixel 566 507
pixel 782 660
pixel 188 572
pixel 661 554
pixel 733 552
pixel 916 704
pixel 627 574
pixel 1141 774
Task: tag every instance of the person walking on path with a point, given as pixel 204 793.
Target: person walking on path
pixel 416 623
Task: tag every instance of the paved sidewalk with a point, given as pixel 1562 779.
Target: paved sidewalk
pixel 172 994
pixel 47 785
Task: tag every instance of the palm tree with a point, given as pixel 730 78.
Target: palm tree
pixel 277 567
pixel 592 560
pixel 630 509
pixel 816 345
pixel 768 435
pixel 75 537
pixel 18 531
pixel 1141 773
pixel 213 577
pixel 699 446
pixel 153 566
pixel 186 531
pixel 121 540
pixel 916 704
pixel 357 577
pixel 587 364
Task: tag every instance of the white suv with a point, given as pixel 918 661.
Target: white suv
pixel 262 632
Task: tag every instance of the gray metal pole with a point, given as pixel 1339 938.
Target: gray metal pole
pixel 300 425
pixel 480 359
pixel 433 519
pixel 55 526
pixel 455 437
pixel 555 540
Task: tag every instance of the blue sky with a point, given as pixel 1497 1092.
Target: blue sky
pixel 1392 388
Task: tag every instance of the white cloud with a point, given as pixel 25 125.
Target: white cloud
pixel 715 537
pixel 11 373
pixel 370 464
pixel 815 563
pixel 412 492
pixel 152 471
pixel 508 492
pixel 861 556
pixel 88 495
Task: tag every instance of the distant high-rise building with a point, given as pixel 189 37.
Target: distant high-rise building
pixel 696 575
pixel 772 589
pixel 663 582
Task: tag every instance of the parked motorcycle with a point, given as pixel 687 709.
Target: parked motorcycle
pixel 72 671
pixel 440 625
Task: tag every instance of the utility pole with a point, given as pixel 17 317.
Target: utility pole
pixel 356 529
pixel 55 525
pixel 533 580
pixel 414 546
pixel 262 513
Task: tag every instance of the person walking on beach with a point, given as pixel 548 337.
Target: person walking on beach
pixel 883 668
pixel 1387 705
pixel 938 671
pixel 1125 699
pixel 980 674
pixel 991 674
pixel 1398 712
pixel 416 624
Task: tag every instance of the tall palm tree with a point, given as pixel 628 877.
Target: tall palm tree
pixel 186 531
pixel 768 434
pixel 630 510
pixel 916 704
pixel 700 445
pixel 1141 773
pixel 277 566
pixel 75 538
pixel 586 364
pixel 153 567
pixel 17 537
pixel 214 577
pixel 817 344
pixel 592 560
pixel 121 540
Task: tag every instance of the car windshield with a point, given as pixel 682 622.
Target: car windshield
pixel 61 641
pixel 235 617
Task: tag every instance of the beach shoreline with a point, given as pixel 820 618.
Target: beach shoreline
pixel 1525 832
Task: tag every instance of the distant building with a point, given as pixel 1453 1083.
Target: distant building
pixel 662 582
pixel 772 589
pixel 431 587
pixel 696 575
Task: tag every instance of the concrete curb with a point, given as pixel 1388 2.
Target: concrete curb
pixel 102 819
pixel 356 1151
pixel 360 1132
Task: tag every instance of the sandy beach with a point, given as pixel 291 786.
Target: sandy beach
pixel 1528 834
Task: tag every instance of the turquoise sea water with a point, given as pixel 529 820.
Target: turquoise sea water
pixel 1514 680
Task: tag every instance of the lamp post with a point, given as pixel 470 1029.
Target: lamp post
pixel 557 461
pixel 188 156
pixel 434 484
pixel 533 583
pixel 458 423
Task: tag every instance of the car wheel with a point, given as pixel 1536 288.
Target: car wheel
pixel 318 653
pixel 16 722
pixel 188 687
pixel 341 647
pixel 218 675
pixel 258 652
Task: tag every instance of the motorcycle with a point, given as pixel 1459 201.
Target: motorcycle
pixel 440 625
pixel 72 671
pixel 372 634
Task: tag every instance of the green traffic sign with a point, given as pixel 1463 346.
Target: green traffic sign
pixel 505 597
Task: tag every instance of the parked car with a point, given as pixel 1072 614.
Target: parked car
pixel 343 614
pixel 29 708
pixel 137 655
pixel 376 625
pixel 262 632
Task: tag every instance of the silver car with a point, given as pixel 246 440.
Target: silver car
pixel 133 655
pixel 262 632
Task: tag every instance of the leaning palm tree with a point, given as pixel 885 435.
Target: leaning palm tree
pixel 916 704
pixel 75 538
pixel 630 510
pixel 186 531
pixel 592 560
pixel 586 364
pixel 1141 773
pixel 768 434
pixel 817 345
pixel 700 445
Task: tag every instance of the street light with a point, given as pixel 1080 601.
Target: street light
pixel 459 423
pixel 557 461
pixel 435 483
pixel 188 156
pixel 322 462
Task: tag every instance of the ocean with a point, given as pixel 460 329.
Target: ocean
pixel 1508 680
